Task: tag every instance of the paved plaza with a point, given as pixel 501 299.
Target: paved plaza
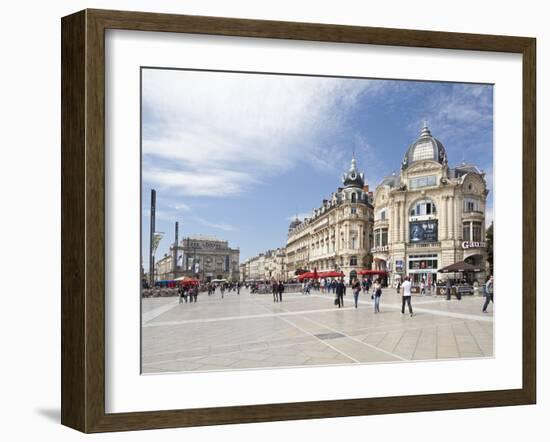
pixel 251 331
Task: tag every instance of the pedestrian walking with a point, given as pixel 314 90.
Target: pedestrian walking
pixel 376 294
pixel 180 295
pixel 280 290
pixel 398 289
pixel 340 289
pixel 275 291
pixel 448 289
pixel 195 293
pixel 488 293
pixel 422 287
pixel 406 298
pixel 356 287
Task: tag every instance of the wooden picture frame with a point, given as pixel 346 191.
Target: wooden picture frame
pixel 83 220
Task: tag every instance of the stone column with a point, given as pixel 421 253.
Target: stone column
pixel 404 217
pixel 399 220
pixel 393 228
pixel 446 199
pixel 453 217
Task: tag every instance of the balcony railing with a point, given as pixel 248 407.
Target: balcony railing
pixel 423 245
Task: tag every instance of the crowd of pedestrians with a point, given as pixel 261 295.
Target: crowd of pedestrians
pixel 337 286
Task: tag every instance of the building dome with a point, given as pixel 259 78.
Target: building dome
pixel 353 178
pixel 295 223
pixel 426 147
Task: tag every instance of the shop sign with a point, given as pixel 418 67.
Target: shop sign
pixel 474 244
pixel 398 265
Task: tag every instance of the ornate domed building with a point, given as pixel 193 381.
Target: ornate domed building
pixel 430 215
pixel 338 235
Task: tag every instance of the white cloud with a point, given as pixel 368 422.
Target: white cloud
pixel 219 226
pixel 456 117
pixel 215 133
pixel 169 211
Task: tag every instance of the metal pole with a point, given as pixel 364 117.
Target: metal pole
pixel 151 238
pixel 175 263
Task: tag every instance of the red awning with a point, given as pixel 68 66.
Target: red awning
pixel 330 274
pixel 307 275
pixel 189 281
pixel 373 272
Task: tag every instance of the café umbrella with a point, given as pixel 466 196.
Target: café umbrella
pixel 460 267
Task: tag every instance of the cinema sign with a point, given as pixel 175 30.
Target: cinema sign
pixel 474 244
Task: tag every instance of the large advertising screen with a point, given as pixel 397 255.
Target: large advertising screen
pixel 423 231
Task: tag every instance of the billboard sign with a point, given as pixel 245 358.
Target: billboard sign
pixel 423 231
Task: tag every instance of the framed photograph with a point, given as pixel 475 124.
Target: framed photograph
pixel 267 221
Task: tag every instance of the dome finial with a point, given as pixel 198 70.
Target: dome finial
pixel 353 166
pixel 425 132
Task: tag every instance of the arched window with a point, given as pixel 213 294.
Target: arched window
pixel 423 207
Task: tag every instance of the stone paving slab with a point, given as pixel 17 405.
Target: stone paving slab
pixel 252 332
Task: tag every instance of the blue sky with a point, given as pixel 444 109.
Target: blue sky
pixel 237 156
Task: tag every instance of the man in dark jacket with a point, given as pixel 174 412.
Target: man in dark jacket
pixel 340 289
pixel 281 289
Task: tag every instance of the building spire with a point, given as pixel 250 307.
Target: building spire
pixel 353 166
pixel 425 132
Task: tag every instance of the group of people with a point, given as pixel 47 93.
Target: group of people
pixel 277 288
pixel 365 286
pixel 188 293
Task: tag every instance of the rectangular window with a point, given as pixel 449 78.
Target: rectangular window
pixel 471 204
pixel 384 239
pixel 353 260
pixel 476 231
pixel 466 232
pixel 425 181
pixel 353 210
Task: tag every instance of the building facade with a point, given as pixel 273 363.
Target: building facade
pixel 201 257
pixel 430 215
pixel 265 266
pixel 338 235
